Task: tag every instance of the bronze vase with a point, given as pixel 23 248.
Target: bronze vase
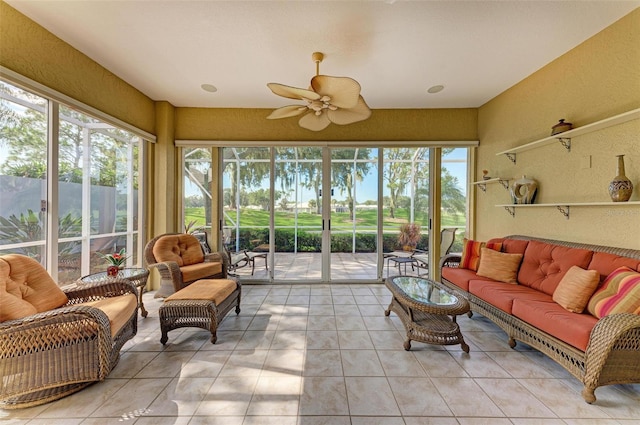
pixel 620 188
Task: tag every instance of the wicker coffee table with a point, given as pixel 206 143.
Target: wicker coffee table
pixel 428 311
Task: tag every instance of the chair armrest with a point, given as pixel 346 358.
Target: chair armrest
pixel 114 287
pixel 450 260
pixel 213 257
pixel 169 270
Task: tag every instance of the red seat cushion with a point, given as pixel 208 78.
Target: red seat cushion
pixel 502 295
pixel 606 263
pixel 552 318
pixel 461 277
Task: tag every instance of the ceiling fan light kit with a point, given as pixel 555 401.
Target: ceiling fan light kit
pixel 328 100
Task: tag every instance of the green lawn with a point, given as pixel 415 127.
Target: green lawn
pixel 365 219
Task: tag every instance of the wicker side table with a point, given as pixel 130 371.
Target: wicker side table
pixel 138 277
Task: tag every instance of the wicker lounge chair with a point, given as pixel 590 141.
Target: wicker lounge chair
pixel 55 341
pixel 180 259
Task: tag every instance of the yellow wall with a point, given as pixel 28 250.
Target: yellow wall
pixel 32 51
pixel 595 80
pixel 384 124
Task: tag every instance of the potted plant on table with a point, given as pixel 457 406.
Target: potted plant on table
pixel 115 261
pixel 409 236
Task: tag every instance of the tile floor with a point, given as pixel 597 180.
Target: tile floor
pixel 326 354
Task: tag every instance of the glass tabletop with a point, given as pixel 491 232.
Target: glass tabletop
pixel 128 273
pixel 424 290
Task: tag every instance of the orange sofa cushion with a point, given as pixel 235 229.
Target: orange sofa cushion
pixel 216 290
pixel 552 318
pixel 499 265
pixel 511 246
pixel 544 265
pixel 26 288
pixel 502 296
pixel 200 271
pixel 118 309
pixel 606 263
pixel 184 249
pixel 461 277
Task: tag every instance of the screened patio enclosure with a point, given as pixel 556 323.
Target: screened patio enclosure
pixel 323 214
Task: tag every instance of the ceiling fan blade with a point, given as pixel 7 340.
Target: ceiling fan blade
pixel 293 92
pixel 287 111
pixel 348 116
pixel 343 91
pixel 314 122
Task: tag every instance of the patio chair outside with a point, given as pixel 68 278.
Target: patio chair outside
pixel 447 237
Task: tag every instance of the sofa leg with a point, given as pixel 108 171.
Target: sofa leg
pixel 589 395
pixel 470 314
pixel 512 342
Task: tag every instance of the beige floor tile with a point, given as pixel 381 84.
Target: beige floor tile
pixel 293 322
pixel 244 363
pixel 514 399
pixel 519 365
pixel 77 405
pixel 322 363
pixel 400 363
pixel 562 400
pixel 168 420
pixel 137 394
pixel 205 364
pixel 131 363
pixel 181 397
pixel 269 420
pixel 465 398
pixel 213 420
pixel 264 322
pixel 370 397
pixel 387 340
pixel 356 340
pixel 479 365
pixel 428 420
pixel 166 365
pixel 378 323
pixel 324 420
pixel 323 396
pixel 322 340
pixel 350 323
pixel 361 363
pixel 439 364
pixel 377 420
pixel 322 323
pixel 289 340
pixel 228 396
pixel 227 341
pixel 276 396
pixel 283 363
pixel 418 397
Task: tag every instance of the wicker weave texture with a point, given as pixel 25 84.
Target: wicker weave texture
pixel 49 355
pixel 613 353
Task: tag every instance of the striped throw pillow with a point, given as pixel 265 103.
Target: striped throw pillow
pixel 620 293
pixel 471 251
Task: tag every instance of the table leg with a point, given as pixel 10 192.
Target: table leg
pixel 143 311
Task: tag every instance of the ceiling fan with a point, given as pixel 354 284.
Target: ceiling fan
pixel 329 100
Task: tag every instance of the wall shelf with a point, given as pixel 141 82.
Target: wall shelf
pixel 564 207
pixel 482 184
pixel 564 138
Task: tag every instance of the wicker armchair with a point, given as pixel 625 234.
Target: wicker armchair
pixel 49 353
pixel 180 260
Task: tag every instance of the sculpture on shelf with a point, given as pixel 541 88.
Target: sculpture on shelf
pixel 523 191
pixel 620 188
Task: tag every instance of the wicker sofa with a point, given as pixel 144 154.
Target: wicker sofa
pixel 56 341
pixel 596 351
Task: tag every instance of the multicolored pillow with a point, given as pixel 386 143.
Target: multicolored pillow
pixel 471 251
pixel 620 293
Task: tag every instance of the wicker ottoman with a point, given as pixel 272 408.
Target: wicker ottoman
pixel 203 304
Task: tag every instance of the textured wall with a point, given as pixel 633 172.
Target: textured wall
pixel 595 80
pixel 384 124
pixel 32 51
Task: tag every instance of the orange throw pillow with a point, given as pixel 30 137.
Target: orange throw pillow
pixel 499 266
pixel 576 288
pixel 471 251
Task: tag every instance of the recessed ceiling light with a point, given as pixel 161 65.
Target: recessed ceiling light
pixel 435 89
pixel 209 87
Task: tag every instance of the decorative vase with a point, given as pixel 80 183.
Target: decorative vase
pixel 561 127
pixel 523 191
pixel 620 188
pixel 113 271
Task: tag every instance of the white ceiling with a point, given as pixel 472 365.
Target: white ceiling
pixel 396 49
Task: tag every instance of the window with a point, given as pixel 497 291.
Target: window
pixel 97 197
